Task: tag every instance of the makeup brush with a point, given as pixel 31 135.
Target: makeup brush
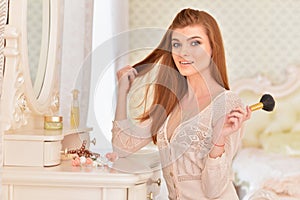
pixel 266 103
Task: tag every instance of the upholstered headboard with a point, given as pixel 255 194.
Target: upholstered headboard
pixel 277 131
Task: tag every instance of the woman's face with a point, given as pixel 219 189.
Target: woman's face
pixel 191 50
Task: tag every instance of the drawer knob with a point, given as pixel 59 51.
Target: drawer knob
pixel 94 141
pixel 158 181
pixel 150 196
pixel 64 152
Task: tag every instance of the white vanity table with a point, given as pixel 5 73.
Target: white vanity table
pixel 39 147
pixel 65 182
pixel 25 174
pixel 31 167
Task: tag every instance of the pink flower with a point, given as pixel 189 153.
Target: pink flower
pixel 76 162
pixel 89 161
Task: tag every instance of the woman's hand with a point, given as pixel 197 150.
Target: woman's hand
pixel 232 123
pixel 125 76
pixel 234 120
pixel 112 156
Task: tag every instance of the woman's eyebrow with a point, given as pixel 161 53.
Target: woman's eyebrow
pixel 194 37
pixel 190 38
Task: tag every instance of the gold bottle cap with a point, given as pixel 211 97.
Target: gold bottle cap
pixel 75 93
pixel 53 118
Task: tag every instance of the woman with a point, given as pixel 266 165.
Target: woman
pixel 194 119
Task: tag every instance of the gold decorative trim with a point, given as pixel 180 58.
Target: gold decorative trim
pixel 15 86
pixel 21 104
pixel 55 103
pixel 21 111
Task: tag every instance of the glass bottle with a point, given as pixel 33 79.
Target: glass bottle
pixel 75 116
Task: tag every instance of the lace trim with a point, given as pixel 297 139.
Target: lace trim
pixel 192 140
pixel 125 144
pixel 189 178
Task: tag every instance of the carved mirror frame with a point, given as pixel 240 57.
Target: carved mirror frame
pixel 19 105
pixel 3 18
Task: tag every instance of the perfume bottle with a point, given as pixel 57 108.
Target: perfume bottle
pixel 75 115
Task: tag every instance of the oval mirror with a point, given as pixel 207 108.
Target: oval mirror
pixel 38 12
pixel 33 60
pixel 41 50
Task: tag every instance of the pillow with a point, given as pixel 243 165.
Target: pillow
pixel 282 143
pixel 285 117
pixel 258 122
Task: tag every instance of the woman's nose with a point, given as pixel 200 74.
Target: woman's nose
pixel 184 50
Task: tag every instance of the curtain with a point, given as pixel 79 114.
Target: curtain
pixel 109 42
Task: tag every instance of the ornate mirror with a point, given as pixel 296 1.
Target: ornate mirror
pixel 32 61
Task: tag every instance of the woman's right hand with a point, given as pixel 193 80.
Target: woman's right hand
pixel 126 76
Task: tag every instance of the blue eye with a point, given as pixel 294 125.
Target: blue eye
pixel 195 43
pixel 176 44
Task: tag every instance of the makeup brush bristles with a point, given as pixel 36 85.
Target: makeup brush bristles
pixel 268 101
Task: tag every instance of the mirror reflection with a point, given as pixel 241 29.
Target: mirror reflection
pixel 37 41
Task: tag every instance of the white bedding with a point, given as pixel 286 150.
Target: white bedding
pixel 260 174
pixel 267 176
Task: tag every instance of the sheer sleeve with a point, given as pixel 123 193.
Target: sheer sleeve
pixel 217 173
pixel 127 137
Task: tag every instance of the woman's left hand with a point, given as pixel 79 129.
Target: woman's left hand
pixel 112 156
pixel 234 120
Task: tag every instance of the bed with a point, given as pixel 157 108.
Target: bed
pixel 267 165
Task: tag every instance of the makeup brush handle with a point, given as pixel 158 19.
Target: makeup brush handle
pixel 256 106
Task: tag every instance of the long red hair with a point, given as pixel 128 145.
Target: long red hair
pixel 172 85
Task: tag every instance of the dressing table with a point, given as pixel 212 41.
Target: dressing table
pixel 65 182
pixel 32 166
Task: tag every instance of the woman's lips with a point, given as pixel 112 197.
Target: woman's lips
pixel 186 62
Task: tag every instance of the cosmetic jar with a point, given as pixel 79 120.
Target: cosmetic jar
pixel 53 122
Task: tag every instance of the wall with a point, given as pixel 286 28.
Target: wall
pixel 76 46
pixel 109 20
pixel 259 36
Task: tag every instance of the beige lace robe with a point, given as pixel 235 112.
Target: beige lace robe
pixel 189 172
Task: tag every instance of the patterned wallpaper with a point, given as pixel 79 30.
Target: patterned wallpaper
pixel 34 35
pixel 259 36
